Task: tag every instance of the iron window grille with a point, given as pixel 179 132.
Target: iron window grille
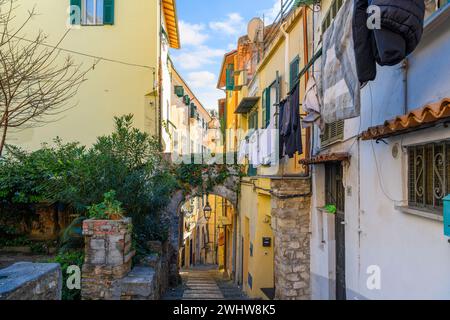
pixel 429 175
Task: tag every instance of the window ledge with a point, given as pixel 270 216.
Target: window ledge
pixel 420 213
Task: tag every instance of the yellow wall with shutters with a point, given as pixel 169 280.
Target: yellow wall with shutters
pixel 111 89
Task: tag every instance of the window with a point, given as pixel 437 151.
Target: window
pixel 428 175
pixel 230 77
pixel 293 72
pixel 332 133
pixel 253 120
pixel 331 14
pixel 94 12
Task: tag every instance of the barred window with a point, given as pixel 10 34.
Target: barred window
pixel 429 175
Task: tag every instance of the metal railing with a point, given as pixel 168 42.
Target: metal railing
pixel 286 7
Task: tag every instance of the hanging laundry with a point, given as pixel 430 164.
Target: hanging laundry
pixel 311 104
pixel 400 33
pixel 253 153
pixel 281 110
pixel 292 129
pixel 265 146
pixel 243 150
pixel 340 87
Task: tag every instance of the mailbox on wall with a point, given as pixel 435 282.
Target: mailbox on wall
pixel 447 216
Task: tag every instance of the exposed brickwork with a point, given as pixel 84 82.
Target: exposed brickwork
pixel 291 226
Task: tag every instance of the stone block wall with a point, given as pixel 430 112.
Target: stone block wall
pixel 107 273
pixel 31 281
pixel 108 255
pixel 291 202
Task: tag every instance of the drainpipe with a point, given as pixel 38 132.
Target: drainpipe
pixel 286 55
pixel 405 85
pixel 306 58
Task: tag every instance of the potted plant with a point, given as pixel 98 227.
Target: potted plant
pixel 330 208
pixel 109 209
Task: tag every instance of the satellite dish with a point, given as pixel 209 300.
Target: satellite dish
pixel 256 30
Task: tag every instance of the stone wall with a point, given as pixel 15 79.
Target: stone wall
pixel 108 257
pixel 291 225
pixel 107 273
pixel 31 281
pixel 42 222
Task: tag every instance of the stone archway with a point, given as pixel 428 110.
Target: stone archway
pixel 228 189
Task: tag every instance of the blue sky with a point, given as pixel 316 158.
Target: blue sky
pixel 209 29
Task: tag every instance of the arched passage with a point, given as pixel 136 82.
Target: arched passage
pixel 207 238
pixel 226 190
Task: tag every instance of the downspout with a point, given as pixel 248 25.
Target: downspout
pixel 306 58
pixel 160 89
pixel 286 56
pixel 404 67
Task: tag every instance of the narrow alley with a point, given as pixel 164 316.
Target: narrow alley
pixel 205 282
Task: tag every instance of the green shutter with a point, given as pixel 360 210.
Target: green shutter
pixel 294 70
pixel 179 91
pixel 108 12
pixel 193 111
pixel 264 105
pixel 186 100
pixel 76 3
pixel 267 115
pixel 230 78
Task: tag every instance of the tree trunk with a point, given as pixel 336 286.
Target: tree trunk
pixel 5 130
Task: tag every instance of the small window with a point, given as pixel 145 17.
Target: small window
pixel 92 12
pixel 428 176
pixel 294 70
pixel 331 14
pixel 332 133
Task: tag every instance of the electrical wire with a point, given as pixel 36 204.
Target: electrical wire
pixel 380 179
pixel 99 58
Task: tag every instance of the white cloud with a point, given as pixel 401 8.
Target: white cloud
pixel 233 25
pixel 209 97
pixel 271 13
pixel 201 79
pixel 192 34
pixel 197 57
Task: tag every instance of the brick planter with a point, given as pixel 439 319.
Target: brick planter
pixel 108 255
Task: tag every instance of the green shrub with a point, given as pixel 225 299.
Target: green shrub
pixel 66 259
pixel 127 161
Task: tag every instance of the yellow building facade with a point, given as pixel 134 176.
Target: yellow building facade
pixel 125 44
pixel 262 71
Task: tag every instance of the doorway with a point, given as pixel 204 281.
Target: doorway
pixel 335 194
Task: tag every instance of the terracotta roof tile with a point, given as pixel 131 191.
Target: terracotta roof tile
pixel 419 118
pixel 326 157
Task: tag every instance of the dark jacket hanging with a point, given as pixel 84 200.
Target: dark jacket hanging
pixel 293 135
pixel 282 108
pixel 400 33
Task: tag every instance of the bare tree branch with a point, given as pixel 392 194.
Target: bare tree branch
pixel 36 83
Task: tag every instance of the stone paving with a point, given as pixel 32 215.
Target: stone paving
pixel 205 283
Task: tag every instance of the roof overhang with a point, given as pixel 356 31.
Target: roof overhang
pixel 421 118
pixel 326 157
pixel 170 15
pixel 246 104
